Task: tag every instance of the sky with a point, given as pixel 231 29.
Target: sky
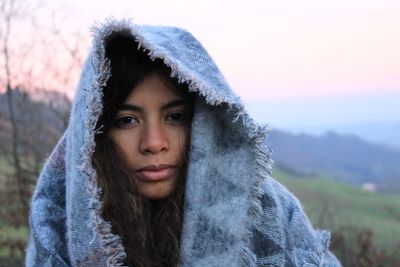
pixel 295 63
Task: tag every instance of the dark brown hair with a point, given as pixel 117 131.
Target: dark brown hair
pixel 150 230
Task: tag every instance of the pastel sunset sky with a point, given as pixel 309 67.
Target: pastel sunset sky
pixel 292 61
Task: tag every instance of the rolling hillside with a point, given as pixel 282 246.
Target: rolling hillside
pixel 344 158
pixel 335 205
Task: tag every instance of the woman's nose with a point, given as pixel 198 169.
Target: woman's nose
pixel 154 140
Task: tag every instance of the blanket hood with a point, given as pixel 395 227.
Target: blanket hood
pixel 229 188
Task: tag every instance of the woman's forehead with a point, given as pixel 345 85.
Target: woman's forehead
pixel 154 90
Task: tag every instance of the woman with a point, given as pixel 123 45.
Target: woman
pixel 161 166
pixel 145 131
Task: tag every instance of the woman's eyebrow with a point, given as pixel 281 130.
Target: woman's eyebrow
pixel 171 104
pixel 130 107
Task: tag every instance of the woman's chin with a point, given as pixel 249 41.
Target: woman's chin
pixel 158 190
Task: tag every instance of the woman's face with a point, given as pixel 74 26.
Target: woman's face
pixel 150 128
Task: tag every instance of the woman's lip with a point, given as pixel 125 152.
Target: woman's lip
pixel 155 167
pixel 157 174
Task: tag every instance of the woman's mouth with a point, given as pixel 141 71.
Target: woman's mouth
pixel 156 173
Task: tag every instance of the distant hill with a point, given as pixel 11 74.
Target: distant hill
pixel 383 132
pixel 52 107
pixel 344 158
pixel 40 122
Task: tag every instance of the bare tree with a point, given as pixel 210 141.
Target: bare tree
pixel 40 56
pixel 9 13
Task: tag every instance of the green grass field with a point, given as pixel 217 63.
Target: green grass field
pixel 334 205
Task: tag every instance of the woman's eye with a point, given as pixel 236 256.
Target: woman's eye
pixel 125 121
pixel 176 117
